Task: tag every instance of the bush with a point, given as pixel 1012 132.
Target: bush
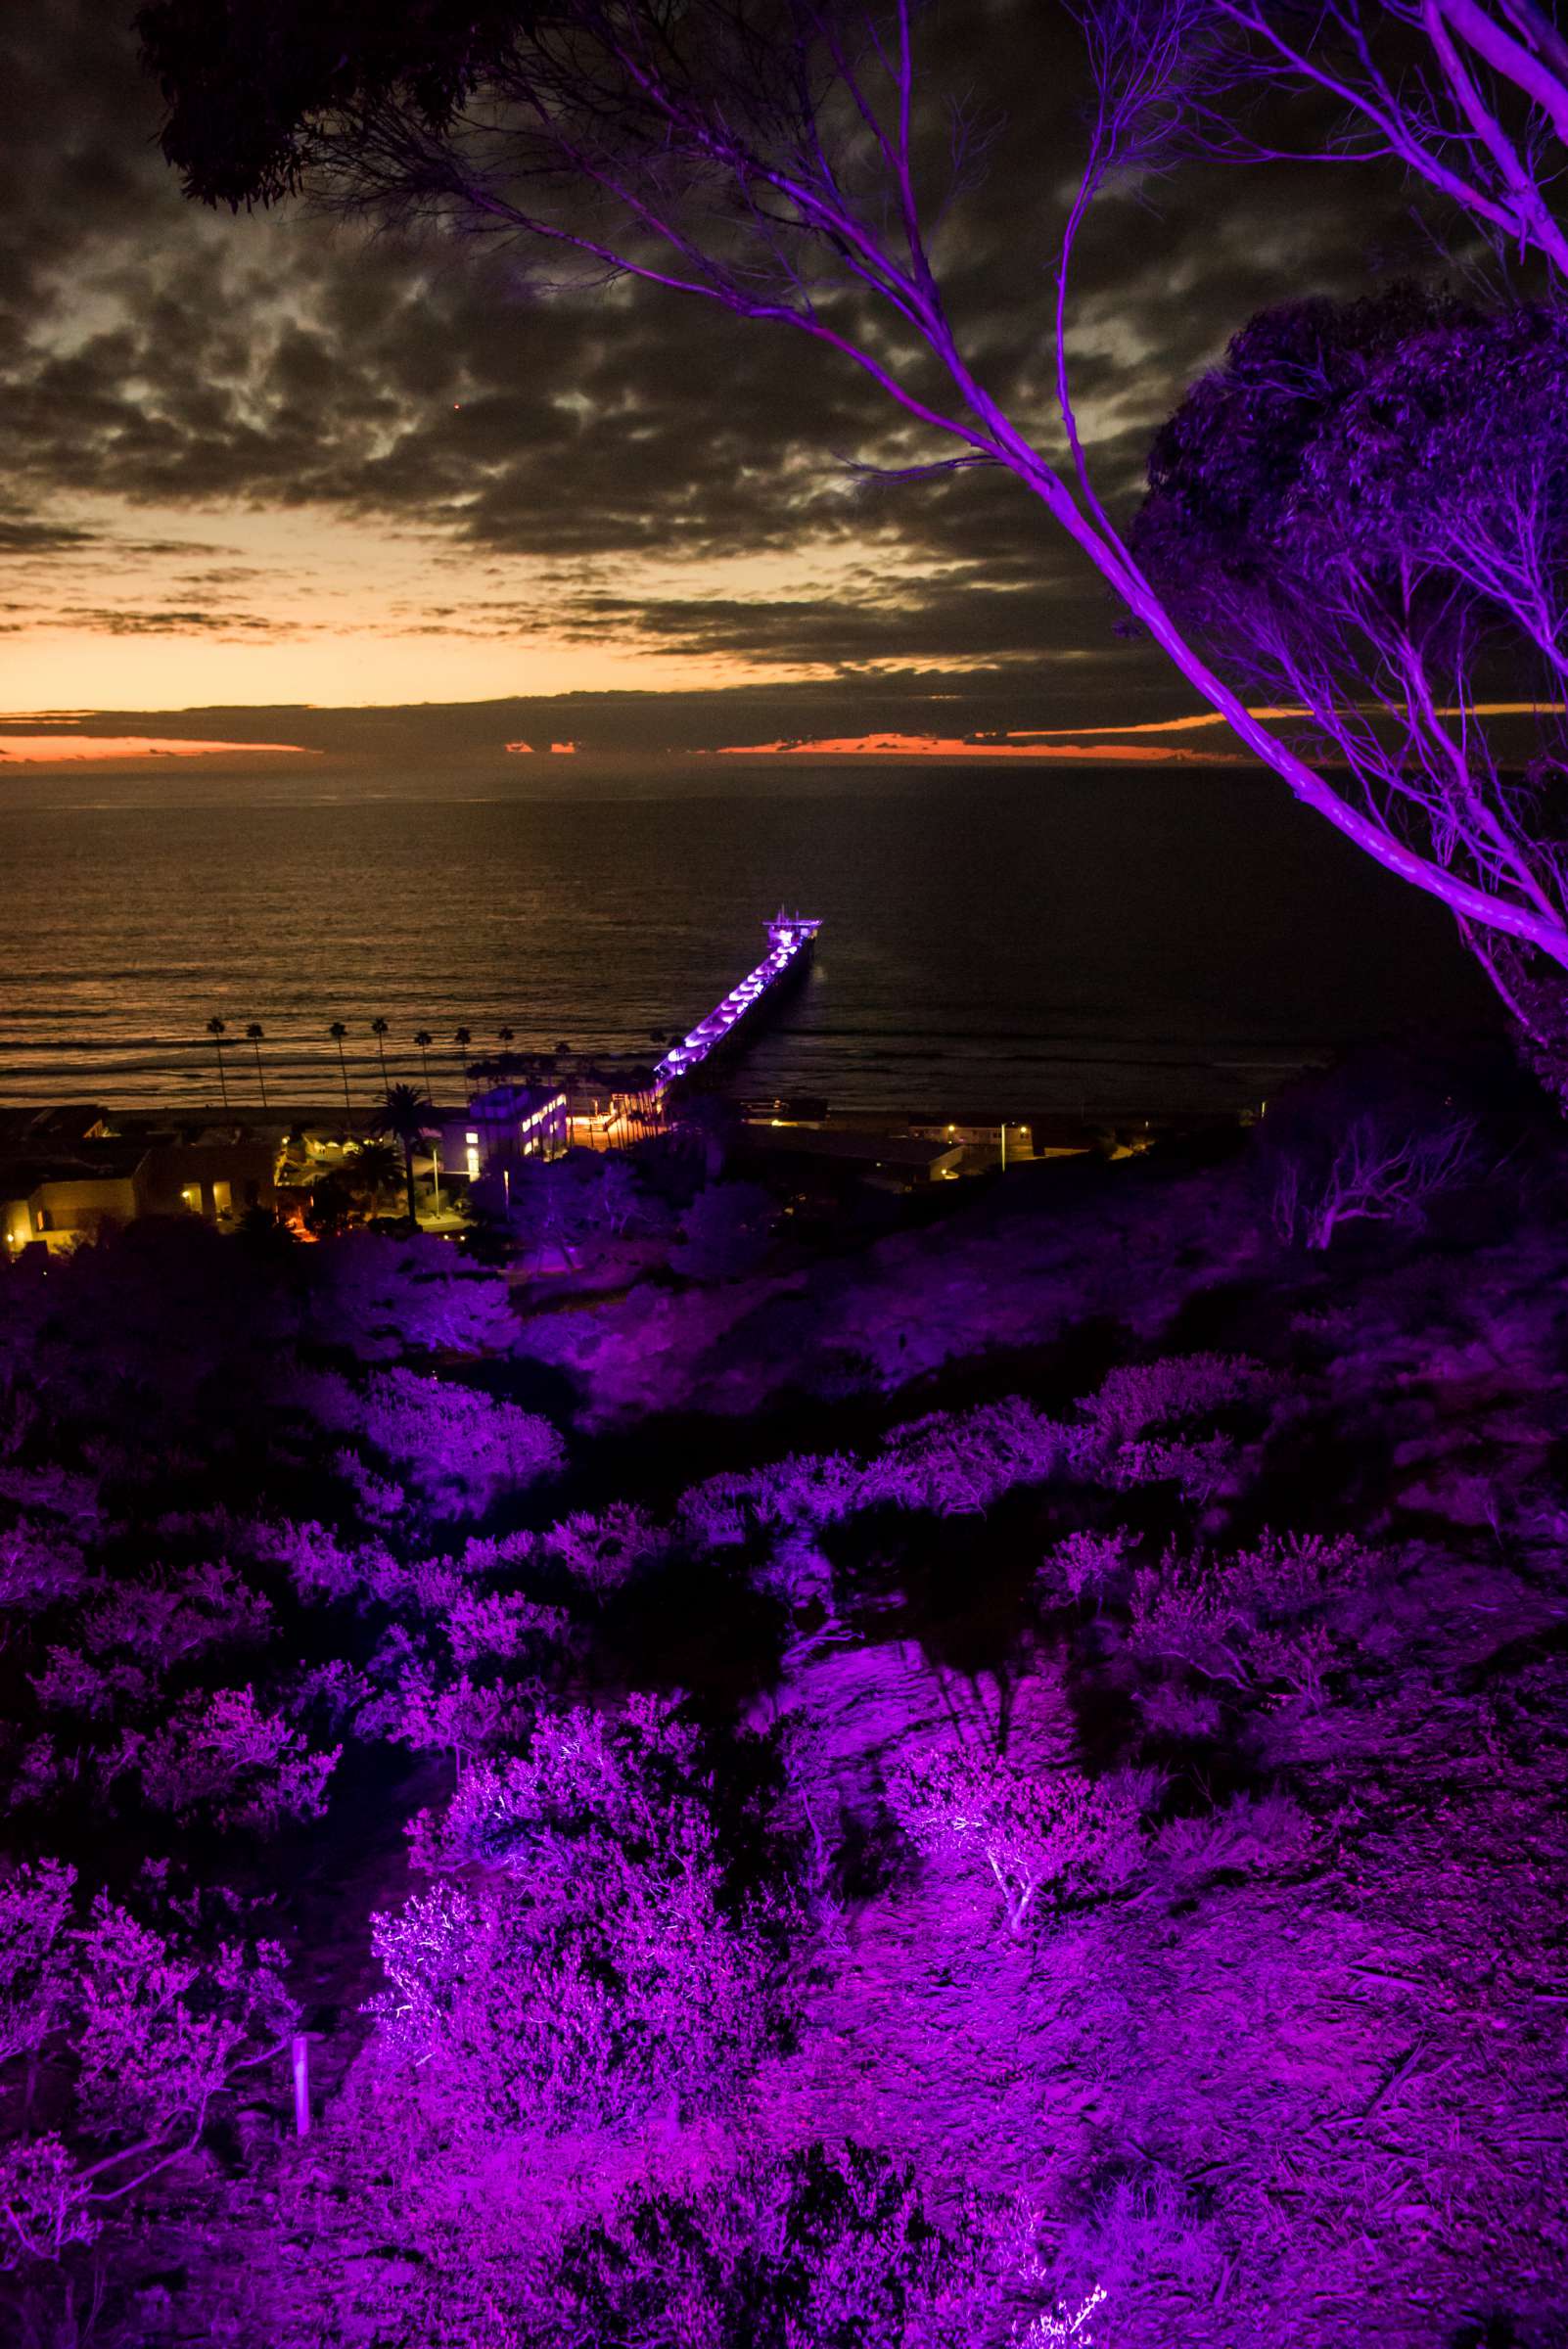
pixel 831 2247
pixel 1241 1620
pixel 601 1956
pixel 1058 1835
pixel 456 1449
pixel 246 1768
pixel 142 2029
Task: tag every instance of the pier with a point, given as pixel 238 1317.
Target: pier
pixel 791 938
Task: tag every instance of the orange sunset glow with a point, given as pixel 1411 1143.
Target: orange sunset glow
pixel 40 750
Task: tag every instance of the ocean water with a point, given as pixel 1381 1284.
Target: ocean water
pixel 998 943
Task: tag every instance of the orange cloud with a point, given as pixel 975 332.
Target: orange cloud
pixel 1265 711
pixel 563 749
pixel 938 746
pixel 526 748
pixel 35 750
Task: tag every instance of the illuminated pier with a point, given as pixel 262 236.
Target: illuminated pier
pixel 790 939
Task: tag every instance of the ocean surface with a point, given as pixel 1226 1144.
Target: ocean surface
pixel 1001 943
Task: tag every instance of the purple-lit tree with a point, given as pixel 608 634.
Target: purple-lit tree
pixel 1364 514
pixel 1056 1833
pixel 1468 96
pixel 792 164
pixel 140 2031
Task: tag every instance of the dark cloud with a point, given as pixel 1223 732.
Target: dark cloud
pixel 156 353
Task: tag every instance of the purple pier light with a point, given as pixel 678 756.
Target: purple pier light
pixel 790 940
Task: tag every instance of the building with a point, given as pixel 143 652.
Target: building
pixel 502 1127
pixel 60 1197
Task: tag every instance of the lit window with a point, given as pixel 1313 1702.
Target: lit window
pixel 472 1165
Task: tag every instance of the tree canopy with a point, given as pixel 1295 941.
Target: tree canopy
pixel 250 84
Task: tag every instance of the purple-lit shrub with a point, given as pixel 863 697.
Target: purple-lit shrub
pixel 595 1956
pixel 1381 1170
pixel 1147 2233
pixel 72 1682
pixel 380 1298
pixel 952 1463
pixel 37 1957
pixel 1178 1389
pixel 456 1449
pixel 139 2031
pixel 831 2247
pixel 603 1550
pixel 463 1719
pixel 1146 1423
pixel 1085 1564
pixel 1243 1620
pixel 38 1565
pixel 1250 1832
pixel 504 1628
pixel 44 2204
pixel 165 1623
pixel 1046 1836
pixel 223 1755
pixel 726 1231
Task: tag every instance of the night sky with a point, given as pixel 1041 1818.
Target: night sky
pixel 263 462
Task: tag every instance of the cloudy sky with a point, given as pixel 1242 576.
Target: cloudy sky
pixel 259 463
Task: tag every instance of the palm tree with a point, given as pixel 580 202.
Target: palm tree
pixel 254 1035
pixel 215 1028
pixel 407 1116
pixel 378 1029
pixel 423 1041
pixel 462 1038
pixel 338 1032
pixel 373 1168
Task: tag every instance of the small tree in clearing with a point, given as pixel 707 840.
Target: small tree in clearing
pixel 1380 1174
pixel 1056 1834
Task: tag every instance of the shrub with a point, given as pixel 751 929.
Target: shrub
pixel 164 1623
pixel 604 1552
pixel 456 1449
pixel 378 1298
pixel 1059 1833
pixel 1380 1169
pixel 143 2031
pixel 504 1626
pixel 1084 1563
pixel 1141 1395
pixel 1250 1831
pixel 600 1955
pixel 831 2247
pixel 727 1231
pixel 37 1567
pixel 1239 1619
pixel 35 1955
pixel 222 1754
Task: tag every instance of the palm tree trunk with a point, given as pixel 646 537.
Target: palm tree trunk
pixel 424 1062
pixel 408 1170
pixel 343 1064
pixel 259 1078
pixel 223 1083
